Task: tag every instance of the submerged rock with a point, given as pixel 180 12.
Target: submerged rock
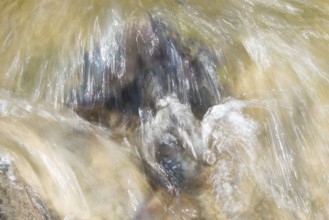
pixel 151 60
pixel 168 81
pixel 171 145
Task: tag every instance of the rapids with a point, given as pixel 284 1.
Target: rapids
pixel 164 109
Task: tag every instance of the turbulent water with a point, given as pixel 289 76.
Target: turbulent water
pixel 164 109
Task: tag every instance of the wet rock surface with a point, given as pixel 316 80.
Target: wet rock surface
pixel 17 199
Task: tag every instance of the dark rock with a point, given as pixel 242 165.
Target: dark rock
pixel 152 61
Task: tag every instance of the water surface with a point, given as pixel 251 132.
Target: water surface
pixel 263 147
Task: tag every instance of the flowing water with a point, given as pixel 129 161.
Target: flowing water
pixel 164 109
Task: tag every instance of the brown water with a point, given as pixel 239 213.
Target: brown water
pixel 265 144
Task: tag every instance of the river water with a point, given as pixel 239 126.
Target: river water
pixel 260 152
